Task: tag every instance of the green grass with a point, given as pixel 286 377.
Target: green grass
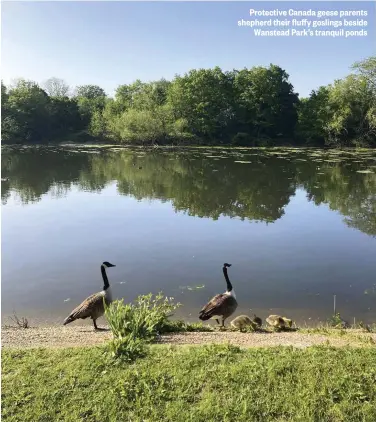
pixel 208 383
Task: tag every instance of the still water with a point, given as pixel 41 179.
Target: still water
pixel 297 226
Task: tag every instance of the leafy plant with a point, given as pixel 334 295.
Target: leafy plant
pixel 135 324
pixel 337 322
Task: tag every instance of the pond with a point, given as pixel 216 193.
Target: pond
pixel 297 225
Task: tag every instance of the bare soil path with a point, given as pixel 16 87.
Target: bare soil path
pixel 79 336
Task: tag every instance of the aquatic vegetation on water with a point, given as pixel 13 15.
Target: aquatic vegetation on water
pixel 197 287
pixel 370 291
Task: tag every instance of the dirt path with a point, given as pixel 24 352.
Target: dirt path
pixel 85 336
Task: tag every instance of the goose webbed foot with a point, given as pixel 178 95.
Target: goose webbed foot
pixel 96 328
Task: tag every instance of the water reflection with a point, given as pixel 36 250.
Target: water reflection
pixel 255 185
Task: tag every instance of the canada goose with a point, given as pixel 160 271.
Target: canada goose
pixel 223 304
pixel 243 321
pixel 93 305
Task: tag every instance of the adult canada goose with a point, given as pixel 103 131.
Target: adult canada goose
pixel 93 306
pixel 222 305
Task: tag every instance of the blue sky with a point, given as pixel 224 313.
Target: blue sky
pixel 111 43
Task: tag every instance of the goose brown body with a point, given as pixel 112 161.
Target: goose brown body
pixel 221 305
pixel 93 306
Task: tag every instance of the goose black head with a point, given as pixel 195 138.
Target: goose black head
pixel 226 265
pixel 108 265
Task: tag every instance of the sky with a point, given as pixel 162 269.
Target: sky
pixel 114 43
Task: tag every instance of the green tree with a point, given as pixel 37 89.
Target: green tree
pixel 64 116
pixel 26 113
pixel 204 99
pixel 367 69
pixel 313 117
pixel 91 92
pixel 352 106
pixel 90 99
pixel 266 102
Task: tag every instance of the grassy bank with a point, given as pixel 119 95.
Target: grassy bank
pixel 206 383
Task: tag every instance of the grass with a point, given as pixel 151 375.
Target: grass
pixel 208 383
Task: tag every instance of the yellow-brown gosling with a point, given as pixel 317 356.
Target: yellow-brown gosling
pixel 93 306
pixel 243 321
pixel 288 322
pixel 222 305
pixel 276 321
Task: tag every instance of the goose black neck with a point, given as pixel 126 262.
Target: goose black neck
pixel 105 279
pixel 228 282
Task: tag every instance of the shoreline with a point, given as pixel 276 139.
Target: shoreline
pixel 85 336
pixel 151 146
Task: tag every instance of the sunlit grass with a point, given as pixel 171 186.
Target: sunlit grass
pixel 209 383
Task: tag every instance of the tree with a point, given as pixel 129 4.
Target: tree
pixel 150 96
pixel 367 68
pixel 26 116
pixel 90 92
pixel 313 117
pixel 56 87
pixel 204 98
pixel 4 93
pixel 64 116
pixel 266 102
pixel 352 105
pixel 90 99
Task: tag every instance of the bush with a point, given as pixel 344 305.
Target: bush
pixel 135 325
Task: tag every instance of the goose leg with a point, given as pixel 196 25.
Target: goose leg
pixel 95 325
pixel 223 322
pixel 217 321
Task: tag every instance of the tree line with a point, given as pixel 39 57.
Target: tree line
pixel 248 107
